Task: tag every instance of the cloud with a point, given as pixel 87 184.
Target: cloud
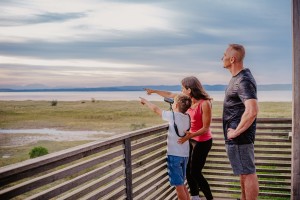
pixel 140 42
pixel 77 21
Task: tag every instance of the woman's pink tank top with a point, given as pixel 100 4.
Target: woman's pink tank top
pixel 196 123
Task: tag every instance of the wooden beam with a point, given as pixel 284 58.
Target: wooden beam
pixel 295 187
pixel 128 168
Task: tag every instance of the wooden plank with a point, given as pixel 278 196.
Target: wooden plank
pixel 146 132
pixel 232 189
pixel 150 149
pixel 94 185
pixel 261 139
pixel 271 157
pixel 221 190
pixel 259 150
pixel 29 168
pixel 146 168
pixel 280 152
pixel 261 120
pixel 73 183
pixel 107 189
pixel 282 188
pixel 163 192
pixel 274 194
pixel 119 192
pixel 259 157
pixel 149 141
pixel 274 128
pixel 283 132
pixel 149 175
pixel 158 188
pixel 274 120
pixel 267 145
pixel 272 134
pixel 173 196
pixel 259 170
pixel 279 183
pixel 211 161
pixel 273 149
pixel 56 175
pixel 229 173
pixel 222 193
pixel 148 159
pixel 150 186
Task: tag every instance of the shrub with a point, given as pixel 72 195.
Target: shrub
pixel 38 151
pixel 134 127
pixel 53 102
pixel 93 100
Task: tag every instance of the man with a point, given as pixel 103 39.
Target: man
pixel 239 120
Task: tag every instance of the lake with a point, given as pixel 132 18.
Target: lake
pixel 266 96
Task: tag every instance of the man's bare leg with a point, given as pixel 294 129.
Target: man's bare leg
pixel 242 182
pixel 249 186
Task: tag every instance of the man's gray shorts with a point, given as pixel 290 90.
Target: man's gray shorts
pixel 241 158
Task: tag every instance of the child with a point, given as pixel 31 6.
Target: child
pixel 177 154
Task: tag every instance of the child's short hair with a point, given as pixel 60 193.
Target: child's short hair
pixel 184 102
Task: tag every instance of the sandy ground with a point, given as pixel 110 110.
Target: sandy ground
pixel 10 138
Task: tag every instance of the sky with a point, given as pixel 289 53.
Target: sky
pixel 98 43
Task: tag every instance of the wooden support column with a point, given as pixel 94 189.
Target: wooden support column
pixel 295 187
pixel 128 168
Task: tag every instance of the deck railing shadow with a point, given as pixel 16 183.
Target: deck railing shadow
pixel 133 166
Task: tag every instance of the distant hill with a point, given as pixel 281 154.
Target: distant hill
pixel 275 87
pixel 117 88
pixel 269 87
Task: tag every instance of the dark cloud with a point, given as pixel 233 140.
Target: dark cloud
pixel 39 18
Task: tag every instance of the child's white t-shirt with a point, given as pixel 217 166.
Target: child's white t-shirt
pixel 183 124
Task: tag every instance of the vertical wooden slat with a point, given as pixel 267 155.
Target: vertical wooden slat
pixel 295 187
pixel 128 168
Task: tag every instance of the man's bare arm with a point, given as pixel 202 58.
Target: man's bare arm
pixel 248 117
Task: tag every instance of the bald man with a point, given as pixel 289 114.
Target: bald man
pixel 239 120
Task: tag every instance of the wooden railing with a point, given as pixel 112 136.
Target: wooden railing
pixel 272 156
pixel 133 166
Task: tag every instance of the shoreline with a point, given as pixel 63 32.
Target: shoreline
pixel 263 96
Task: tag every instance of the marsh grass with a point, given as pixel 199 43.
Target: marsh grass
pixel 20 153
pixel 109 116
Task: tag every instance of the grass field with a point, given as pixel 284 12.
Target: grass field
pixel 108 116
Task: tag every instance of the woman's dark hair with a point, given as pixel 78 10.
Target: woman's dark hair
pixel 197 90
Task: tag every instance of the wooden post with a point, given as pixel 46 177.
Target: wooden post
pixel 295 187
pixel 128 168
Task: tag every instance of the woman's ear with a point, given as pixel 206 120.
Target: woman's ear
pixel 189 90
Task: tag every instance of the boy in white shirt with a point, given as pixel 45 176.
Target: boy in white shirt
pixel 177 154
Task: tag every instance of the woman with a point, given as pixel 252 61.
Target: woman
pixel 199 135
